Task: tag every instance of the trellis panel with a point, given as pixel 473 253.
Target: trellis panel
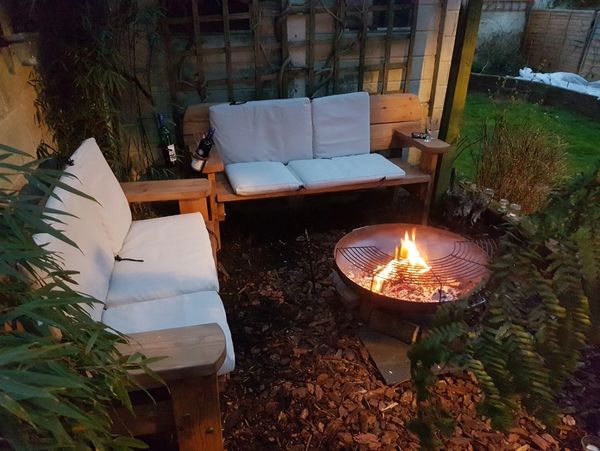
pixel 344 44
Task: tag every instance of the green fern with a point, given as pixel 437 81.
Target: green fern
pixel 543 306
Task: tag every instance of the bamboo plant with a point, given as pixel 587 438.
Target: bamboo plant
pixel 59 370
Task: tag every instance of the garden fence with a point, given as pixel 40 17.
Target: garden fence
pixel 563 40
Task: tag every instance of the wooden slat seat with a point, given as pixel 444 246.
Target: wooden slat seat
pixel 225 192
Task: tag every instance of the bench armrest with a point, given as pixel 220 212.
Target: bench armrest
pixel 165 190
pixel 214 163
pixel 192 351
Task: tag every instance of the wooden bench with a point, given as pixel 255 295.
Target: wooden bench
pixel 152 303
pixel 392 117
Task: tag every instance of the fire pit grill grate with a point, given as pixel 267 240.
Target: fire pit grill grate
pixel 463 263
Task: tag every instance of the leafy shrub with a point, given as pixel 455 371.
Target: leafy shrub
pixel 499 54
pixel 59 369
pixel 520 160
pixel 543 306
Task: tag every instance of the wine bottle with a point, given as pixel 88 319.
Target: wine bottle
pixel 200 156
pixel 166 142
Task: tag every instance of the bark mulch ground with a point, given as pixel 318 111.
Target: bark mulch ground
pixel 303 380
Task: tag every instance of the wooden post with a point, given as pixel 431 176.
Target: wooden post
pixel 458 82
pixel 198 50
pixel 385 70
pixel 523 43
pixel 588 42
pixel 227 39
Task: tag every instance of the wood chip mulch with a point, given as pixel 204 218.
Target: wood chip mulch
pixel 581 396
pixel 303 380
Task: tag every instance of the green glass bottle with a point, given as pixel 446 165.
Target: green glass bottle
pixel 166 142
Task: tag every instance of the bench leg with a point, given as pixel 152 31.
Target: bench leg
pixel 216 213
pixel 423 192
pixel 194 206
pixel 197 414
pixel 427 195
pixel 428 164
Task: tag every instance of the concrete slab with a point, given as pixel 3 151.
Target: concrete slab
pixel 389 355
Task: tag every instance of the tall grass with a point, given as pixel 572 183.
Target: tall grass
pixel 520 160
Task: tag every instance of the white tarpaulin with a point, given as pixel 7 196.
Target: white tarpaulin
pixel 564 80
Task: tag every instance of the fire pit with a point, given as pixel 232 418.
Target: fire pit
pixel 411 268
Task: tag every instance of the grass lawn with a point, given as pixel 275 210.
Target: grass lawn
pixel 581 134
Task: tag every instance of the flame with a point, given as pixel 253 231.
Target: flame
pixel 408 256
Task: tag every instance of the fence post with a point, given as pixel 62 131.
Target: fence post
pixel 458 82
pixel 588 41
pixel 523 43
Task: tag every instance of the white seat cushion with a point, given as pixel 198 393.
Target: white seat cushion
pixel 177 258
pixel 93 258
pixel 259 177
pixel 325 173
pixel 181 311
pixel 266 130
pixel 98 180
pixel 341 125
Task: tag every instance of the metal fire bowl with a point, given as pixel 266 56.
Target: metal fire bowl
pixel 438 246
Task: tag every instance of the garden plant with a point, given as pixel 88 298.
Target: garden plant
pixel 543 306
pixel 60 371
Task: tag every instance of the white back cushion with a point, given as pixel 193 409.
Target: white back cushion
pixel 341 125
pixel 93 259
pixel 266 130
pixel 98 180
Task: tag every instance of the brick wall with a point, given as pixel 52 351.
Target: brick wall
pixel 18 126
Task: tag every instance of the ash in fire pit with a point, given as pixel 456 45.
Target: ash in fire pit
pixel 410 267
pixel 398 288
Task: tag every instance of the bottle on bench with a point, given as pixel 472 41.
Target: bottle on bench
pixel 200 156
pixel 166 142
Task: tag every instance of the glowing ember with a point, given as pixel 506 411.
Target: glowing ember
pixel 407 258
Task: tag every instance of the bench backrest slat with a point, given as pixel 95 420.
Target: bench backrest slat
pixel 387 112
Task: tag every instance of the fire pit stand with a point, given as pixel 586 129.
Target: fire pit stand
pixel 396 293
pixel 367 262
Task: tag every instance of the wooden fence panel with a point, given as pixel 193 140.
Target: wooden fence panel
pixel 555 39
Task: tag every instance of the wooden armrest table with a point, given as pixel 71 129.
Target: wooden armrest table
pixel 429 159
pixel 193 354
pixel 191 193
